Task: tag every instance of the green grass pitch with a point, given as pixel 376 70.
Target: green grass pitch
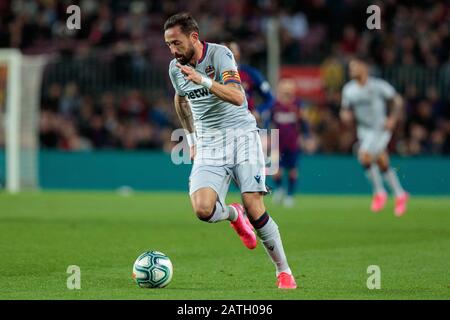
pixel 330 242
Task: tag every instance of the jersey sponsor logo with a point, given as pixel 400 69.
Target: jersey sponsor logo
pixel 210 72
pixel 198 93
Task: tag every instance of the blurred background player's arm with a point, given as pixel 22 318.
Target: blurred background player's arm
pixel 184 113
pixel 268 100
pixel 346 114
pixel 394 103
pixel 263 89
pixel 395 106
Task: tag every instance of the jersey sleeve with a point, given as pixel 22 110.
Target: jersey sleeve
pixel 173 79
pixel 386 90
pixel 227 66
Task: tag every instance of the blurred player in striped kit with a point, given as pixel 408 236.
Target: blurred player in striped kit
pixel 366 98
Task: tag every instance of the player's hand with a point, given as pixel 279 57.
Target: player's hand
pixel 193 152
pixel 190 73
pixel 346 117
pixel 390 123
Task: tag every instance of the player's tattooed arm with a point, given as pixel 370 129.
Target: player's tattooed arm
pixel 395 111
pixel 231 92
pixel 184 113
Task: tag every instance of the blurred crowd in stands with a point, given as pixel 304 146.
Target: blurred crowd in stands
pixel 319 32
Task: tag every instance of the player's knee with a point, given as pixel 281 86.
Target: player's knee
pixel 383 164
pixel 365 159
pixel 203 209
pixel 203 202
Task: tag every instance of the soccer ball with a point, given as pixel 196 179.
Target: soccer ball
pixel 152 269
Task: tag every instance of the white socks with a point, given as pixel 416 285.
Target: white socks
pixel 392 179
pixel 271 239
pixel 374 176
pixel 220 214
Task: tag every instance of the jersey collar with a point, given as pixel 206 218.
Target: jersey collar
pixel 205 49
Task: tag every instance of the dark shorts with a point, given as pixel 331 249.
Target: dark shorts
pixel 289 159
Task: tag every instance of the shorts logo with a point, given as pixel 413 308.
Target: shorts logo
pixel 210 71
pixel 257 178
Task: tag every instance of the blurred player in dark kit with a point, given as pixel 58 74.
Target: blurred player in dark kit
pixel 286 117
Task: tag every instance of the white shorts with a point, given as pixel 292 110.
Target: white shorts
pixel 238 157
pixel 373 141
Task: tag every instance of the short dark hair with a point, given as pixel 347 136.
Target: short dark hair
pixel 186 22
pixel 361 57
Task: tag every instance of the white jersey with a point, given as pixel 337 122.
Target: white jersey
pixel 368 102
pixel 210 113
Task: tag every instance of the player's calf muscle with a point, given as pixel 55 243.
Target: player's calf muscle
pixel 254 205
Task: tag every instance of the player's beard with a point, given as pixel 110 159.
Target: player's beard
pixel 185 58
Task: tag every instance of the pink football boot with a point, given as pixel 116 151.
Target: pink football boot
pixel 400 204
pixel 243 227
pixel 286 281
pixel 378 201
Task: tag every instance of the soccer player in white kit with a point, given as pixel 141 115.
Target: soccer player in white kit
pixel 366 98
pixel 223 139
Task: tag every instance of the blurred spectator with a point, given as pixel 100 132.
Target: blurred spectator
pixel 70 140
pixel 350 41
pixel 48 130
pixel 70 100
pixel 134 106
pixel 295 23
pixel 50 99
